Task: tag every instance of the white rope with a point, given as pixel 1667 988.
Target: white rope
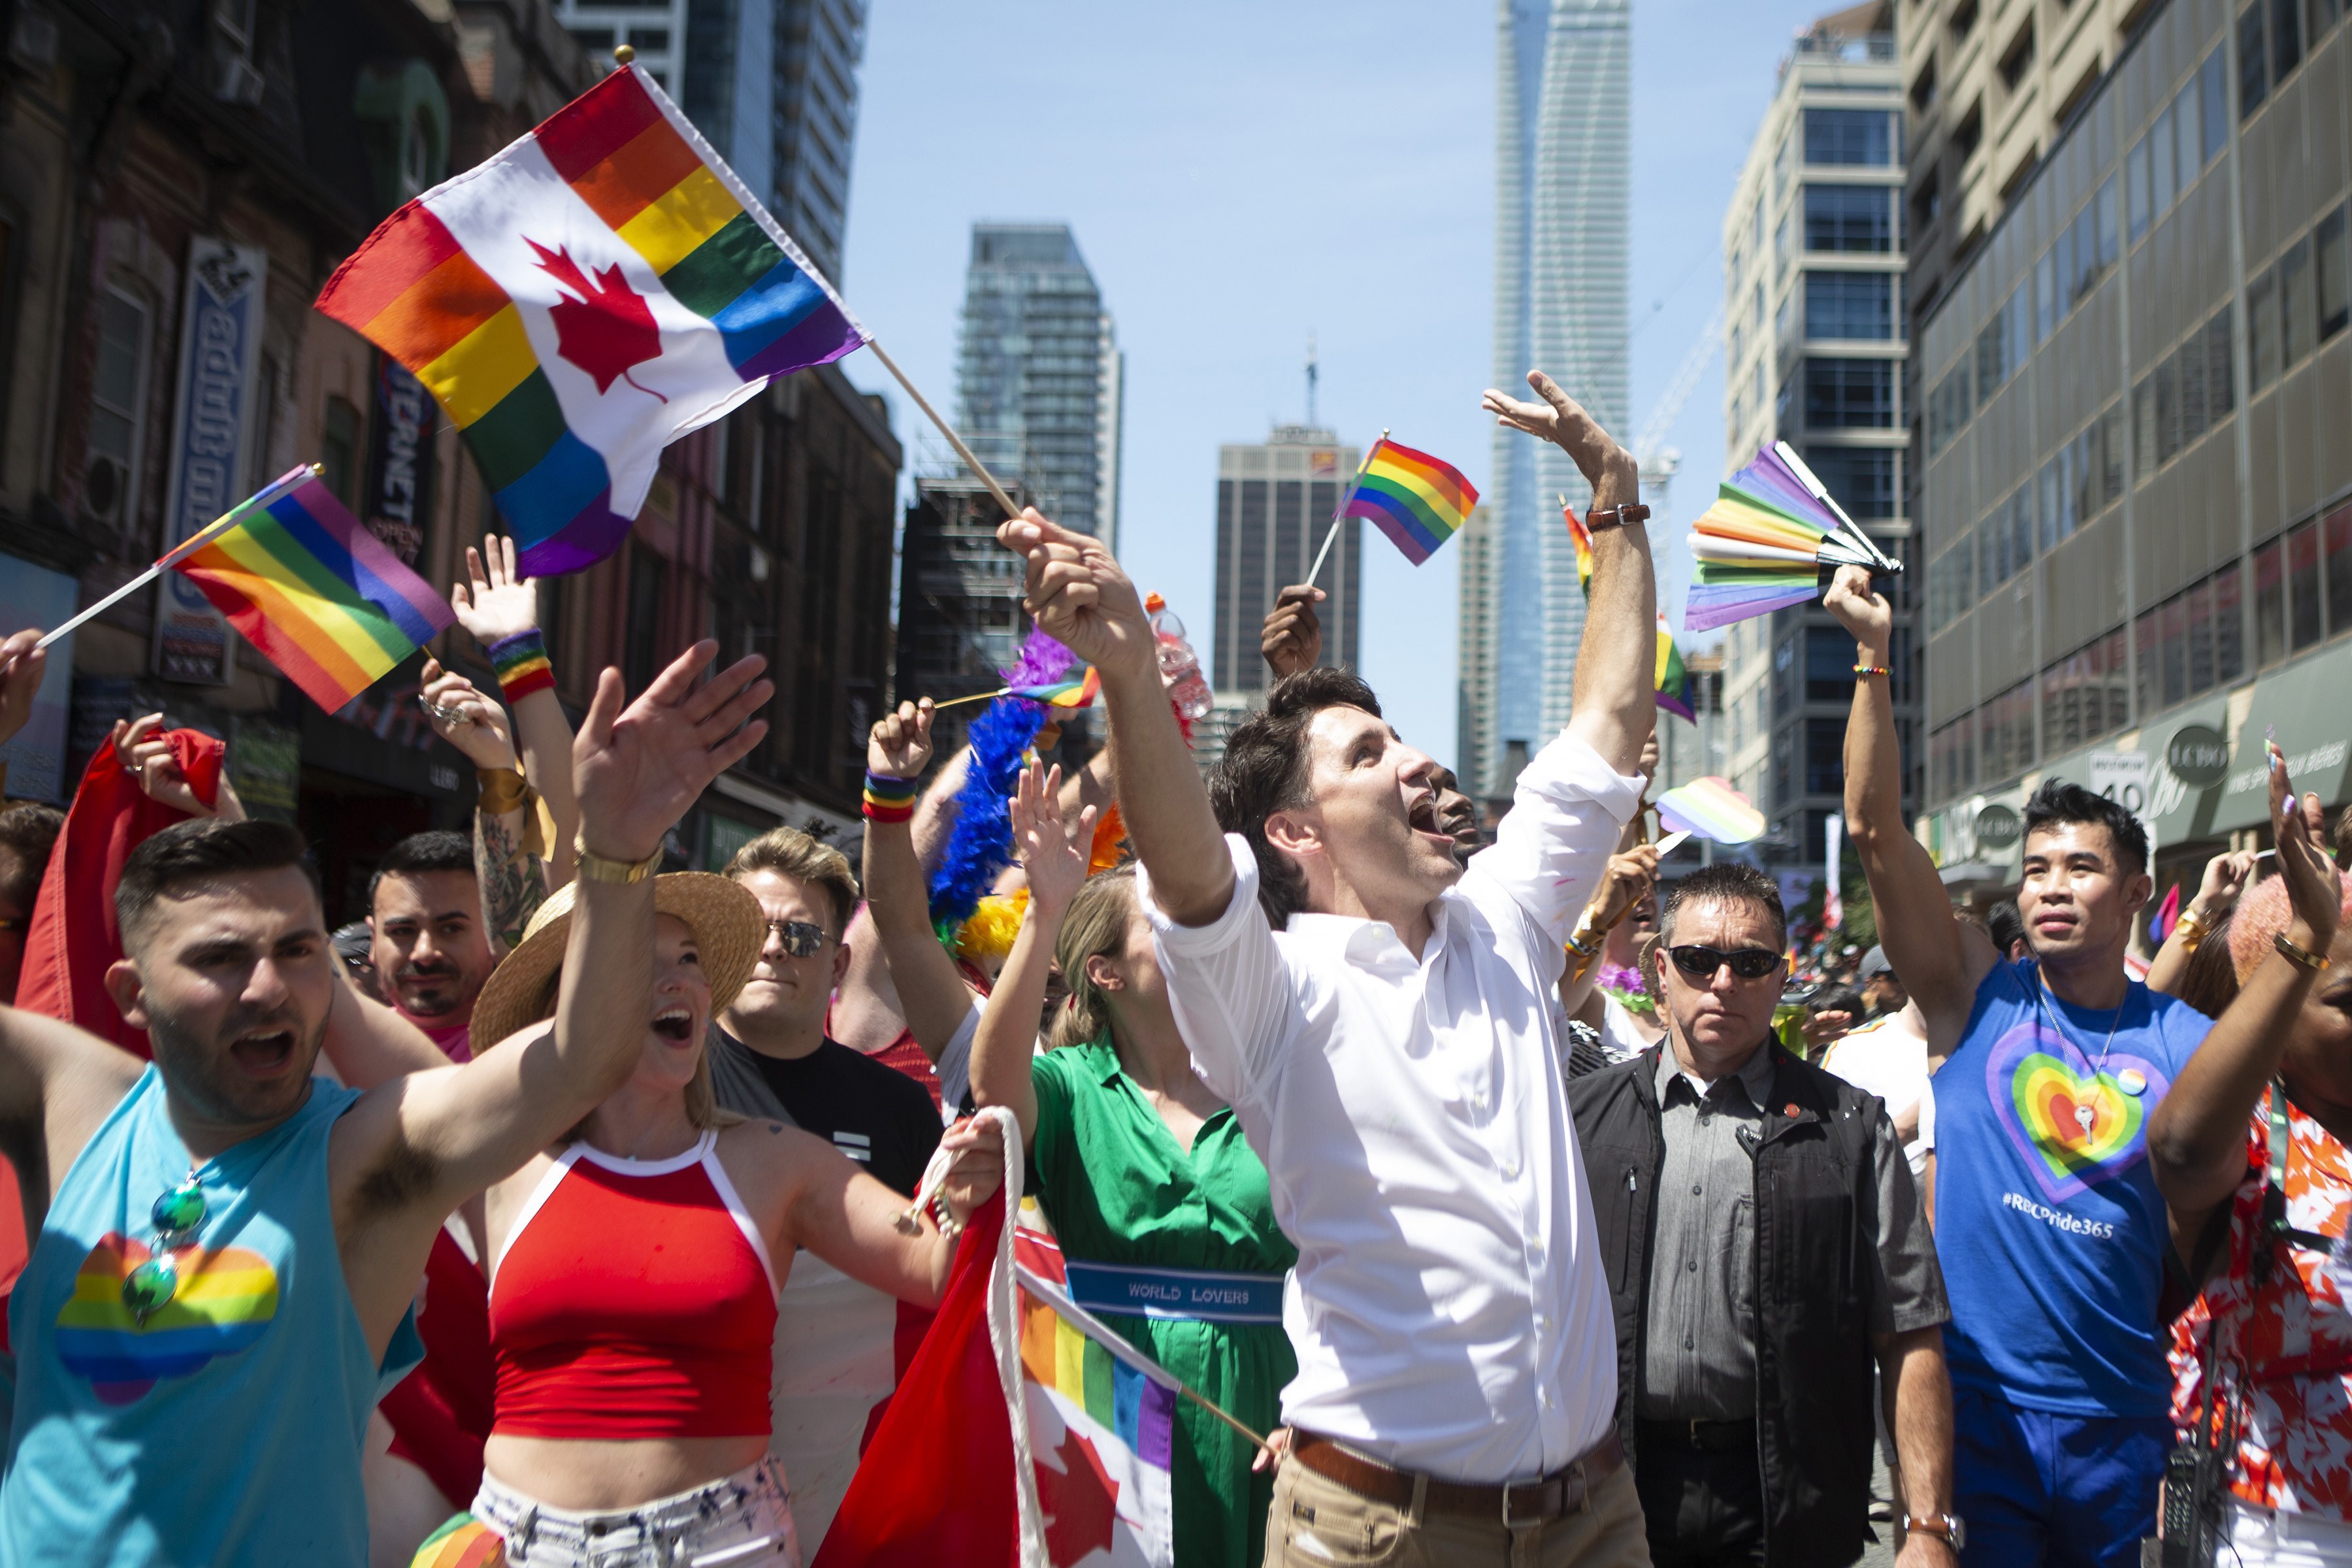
pixel 1003 1335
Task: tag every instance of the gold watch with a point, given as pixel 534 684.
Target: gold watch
pixel 597 869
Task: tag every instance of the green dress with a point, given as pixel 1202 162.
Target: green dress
pixel 1118 1189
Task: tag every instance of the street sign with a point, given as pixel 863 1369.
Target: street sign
pixel 2121 777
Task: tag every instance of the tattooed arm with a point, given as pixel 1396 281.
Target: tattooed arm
pixel 514 881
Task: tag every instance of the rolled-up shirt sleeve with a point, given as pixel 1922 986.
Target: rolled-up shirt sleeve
pixel 1566 816
pixel 1908 1284
pixel 1228 983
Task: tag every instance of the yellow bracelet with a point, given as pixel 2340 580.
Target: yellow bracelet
pixel 502 790
pixel 598 868
pixel 2190 932
pixel 2315 962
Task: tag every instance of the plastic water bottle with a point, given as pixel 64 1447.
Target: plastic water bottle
pixel 1180 667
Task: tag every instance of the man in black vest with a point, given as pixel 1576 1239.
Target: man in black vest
pixel 1764 1244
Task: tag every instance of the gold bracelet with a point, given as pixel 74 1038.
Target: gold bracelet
pixel 599 868
pixel 2190 932
pixel 2315 962
pixel 1588 935
pixel 502 790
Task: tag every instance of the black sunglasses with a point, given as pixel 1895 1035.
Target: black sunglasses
pixel 1701 962
pixel 800 939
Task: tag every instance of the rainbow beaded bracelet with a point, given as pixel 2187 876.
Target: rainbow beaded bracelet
pixel 889 799
pixel 521 664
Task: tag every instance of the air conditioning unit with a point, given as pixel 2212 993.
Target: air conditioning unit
pixel 235 80
pixel 104 488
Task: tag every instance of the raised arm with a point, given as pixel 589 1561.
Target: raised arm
pixel 1291 637
pixel 2225 877
pixel 1941 959
pixel 1614 703
pixel 931 992
pixel 2196 1136
pixel 1054 857
pixel 500 606
pixel 414 1149
pixel 1077 593
pixel 513 882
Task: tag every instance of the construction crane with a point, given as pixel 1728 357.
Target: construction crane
pixel 1660 463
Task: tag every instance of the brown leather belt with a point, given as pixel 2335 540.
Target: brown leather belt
pixel 1518 1504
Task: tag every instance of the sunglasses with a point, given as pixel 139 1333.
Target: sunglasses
pixel 1701 962
pixel 801 938
pixel 177 1216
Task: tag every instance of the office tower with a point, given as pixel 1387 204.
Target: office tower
pixel 1476 587
pixel 2136 496
pixel 1274 503
pixel 772 84
pixel 1813 352
pixel 1562 211
pixel 1040 365
pixel 1989 90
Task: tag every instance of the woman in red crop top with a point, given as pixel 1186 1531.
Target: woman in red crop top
pixel 634 1272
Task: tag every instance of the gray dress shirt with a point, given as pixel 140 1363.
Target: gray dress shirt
pixel 1699 1356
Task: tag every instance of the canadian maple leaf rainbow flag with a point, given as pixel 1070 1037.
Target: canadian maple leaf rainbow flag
pixel 592 293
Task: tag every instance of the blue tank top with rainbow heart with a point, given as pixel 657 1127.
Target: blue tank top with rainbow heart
pixel 2048 1223
pixel 226 1427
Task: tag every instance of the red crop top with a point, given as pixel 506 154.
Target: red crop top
pixel 635 1300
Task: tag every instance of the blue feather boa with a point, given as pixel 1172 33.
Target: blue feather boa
pixel 981 844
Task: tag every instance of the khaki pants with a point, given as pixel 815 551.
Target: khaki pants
pixel 1316 1522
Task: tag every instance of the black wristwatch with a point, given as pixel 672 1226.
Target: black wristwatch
pixel 1955 1534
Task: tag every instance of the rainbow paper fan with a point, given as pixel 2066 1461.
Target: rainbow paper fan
pixel 1711 808
pixel 1770 540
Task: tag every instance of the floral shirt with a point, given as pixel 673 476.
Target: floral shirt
pixel 2288 1344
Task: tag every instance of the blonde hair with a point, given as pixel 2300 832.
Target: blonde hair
pixel 789 852
pixel 1095 925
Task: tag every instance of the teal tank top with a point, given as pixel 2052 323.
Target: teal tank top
pixel 228 1428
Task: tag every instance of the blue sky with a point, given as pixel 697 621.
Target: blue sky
pixel 1241 175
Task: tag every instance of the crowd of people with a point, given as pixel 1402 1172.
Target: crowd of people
pixel 564 1206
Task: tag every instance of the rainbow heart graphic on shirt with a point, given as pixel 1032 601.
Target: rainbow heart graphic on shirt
pixel 2042 1086
pixel 225 1300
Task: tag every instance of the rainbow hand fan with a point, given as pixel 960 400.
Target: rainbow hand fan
pixel 1711 808
pixel 1771 540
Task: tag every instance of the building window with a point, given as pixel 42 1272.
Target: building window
pixel 1968 136
pixel 1861 479
pixel 2086 694
pixel 2337 539
pixel 2253 61
pixel 641 646
pixel 1850 305
pixel 339 453
pixel 2005 732
pixel 1825 755
pixel 2214 89
pixel 118 394
pixel 1850 219
pixel 2262 332
pixel 1862 137
pixel 1964 18
pixel 2286 37
pixel 2135 183
pixel 2195 641
pixel 1850 393
pixel 1927 201
pixel 2019 60
pixel 1923 86
pixel 1952 758
pixel 2298 318
pixel 1829 665
pixel 2334 274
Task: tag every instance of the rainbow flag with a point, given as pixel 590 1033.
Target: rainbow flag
pixel 1677 690
pixel 1711 808
pixel 592 293
pixel 1077 691
pixel 319 596
pixel 1413 498
pixel 1581 537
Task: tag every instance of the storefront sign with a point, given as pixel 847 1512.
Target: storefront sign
pixel 2121 777
pixel 721 836
pixel 1998 827
pixel 398 504
pixel 264 765
pixel 2198 756
pixel 220 343
pixel 31 595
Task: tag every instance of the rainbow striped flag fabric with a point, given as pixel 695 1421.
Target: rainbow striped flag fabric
pixel 595 291
pixel 1677 690
pixel 321 596
pixel 1417 500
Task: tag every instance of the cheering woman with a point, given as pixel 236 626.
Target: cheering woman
pixel 634 1269
pixel 1143 1171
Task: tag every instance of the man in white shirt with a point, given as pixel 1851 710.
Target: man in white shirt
pixel 1392 1057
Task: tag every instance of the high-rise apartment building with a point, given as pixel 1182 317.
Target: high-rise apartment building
pixel 772 84
pixel 1274 503
pixel 1040 363
pixel 2137 500
pixel 1814 348
pixel 1563 210
pixel 1477 582
pixel 1989 88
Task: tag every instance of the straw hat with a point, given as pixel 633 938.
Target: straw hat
pixel 729 929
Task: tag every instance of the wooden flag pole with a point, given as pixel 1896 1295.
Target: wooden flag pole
pixel 181 551
pixel 1338 516
pixel 975 697
pixel 948 430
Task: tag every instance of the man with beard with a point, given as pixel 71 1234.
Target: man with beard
pixel 431 951
pixel 229 1248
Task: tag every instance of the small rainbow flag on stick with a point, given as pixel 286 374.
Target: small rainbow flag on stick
pixel 1711 808
pixel 1677 690
pixel 1418 502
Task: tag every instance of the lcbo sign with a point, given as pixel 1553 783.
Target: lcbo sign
pixel 2198 756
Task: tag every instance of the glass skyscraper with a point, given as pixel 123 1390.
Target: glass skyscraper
pixel 1563 208
pixel 1039 369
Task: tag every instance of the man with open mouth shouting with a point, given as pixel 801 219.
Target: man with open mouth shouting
pixel 229 1247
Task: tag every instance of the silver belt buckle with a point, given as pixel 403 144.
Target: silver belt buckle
pixel 1510 1488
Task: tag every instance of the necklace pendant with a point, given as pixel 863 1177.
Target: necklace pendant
pixel 2083 1117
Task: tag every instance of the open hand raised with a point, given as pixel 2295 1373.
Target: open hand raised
pixel 1054 854
pixel 637 770
pixel 498 601
pixel 2314 887
pixel 1561 420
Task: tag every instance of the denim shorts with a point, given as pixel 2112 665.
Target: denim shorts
pixel 743 1521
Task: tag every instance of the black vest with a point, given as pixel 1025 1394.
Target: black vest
pixel 1816 1199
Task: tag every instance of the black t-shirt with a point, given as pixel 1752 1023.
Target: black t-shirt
pixel 877 1116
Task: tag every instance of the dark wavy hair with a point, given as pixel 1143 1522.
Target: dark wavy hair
pixel 2058 803
pixel 202 851
pixel 1265 769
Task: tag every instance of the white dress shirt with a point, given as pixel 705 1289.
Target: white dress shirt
pixel 1450 1314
